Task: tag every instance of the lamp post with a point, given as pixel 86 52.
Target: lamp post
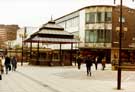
pixel 120 42
pixel 23 35
pixel 120 46
pixel 22 52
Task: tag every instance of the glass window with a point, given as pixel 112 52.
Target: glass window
pixel 90 36
pixel 93 36
pixel 87 36
pixel 100 35
pixel 87 18
pixel 90 17
pixel 68 24
pixel 107 36
pixel 108 16
pixel 73 22
pixel 100 17
pixel 123 19
pixel 104 35
pixel 56 57
pixel 97 36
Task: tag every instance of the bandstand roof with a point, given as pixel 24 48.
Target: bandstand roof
pixel 52 33
pixel 50 40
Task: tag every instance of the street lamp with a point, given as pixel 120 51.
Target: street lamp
pixel 23 36
pixel 120 45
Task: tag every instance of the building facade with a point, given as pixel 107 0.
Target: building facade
pixel 97 28
pixel 7 34
pixel 19 48
pixel 22 34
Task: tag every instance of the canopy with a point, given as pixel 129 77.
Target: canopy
pixel 52 33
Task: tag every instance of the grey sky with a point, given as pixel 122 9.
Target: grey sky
pixel 38 12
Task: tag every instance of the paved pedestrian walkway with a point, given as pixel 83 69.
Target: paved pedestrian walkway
pixel 65 79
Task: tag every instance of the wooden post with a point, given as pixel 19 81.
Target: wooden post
pixel 71 54
pixel 60 55
pixel 30 59
pixel 30 50
pixel 37 63
pixel 22 52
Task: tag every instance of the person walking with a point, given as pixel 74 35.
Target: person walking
pixel 79 60
pixel 103 62
pixel 7 64
pixel 96 62
pixel 88 62
pixel 2 60
pixel 1 68
pixel 75 60
pixel 14 63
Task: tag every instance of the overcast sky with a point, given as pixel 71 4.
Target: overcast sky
pixel 38 12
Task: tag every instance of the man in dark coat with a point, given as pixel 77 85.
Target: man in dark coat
pixel 88 62
pixel 7 64
pixel 14 63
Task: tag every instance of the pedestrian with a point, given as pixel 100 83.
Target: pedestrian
pixel 103 62
pixel 7 64
pixel 75 60
pixel 14 63
pixel 88 62
pixel 1 68
pixel 79 60
pixel 96 62
pixel 2 71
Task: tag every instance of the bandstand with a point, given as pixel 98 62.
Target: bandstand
pixel 51 35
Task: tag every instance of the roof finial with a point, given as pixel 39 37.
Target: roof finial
pixel 51 18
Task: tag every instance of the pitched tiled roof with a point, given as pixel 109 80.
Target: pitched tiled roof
pixel 51 25
pixel 56 32
pixel 52 33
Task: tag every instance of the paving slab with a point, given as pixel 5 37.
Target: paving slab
pixel 65 79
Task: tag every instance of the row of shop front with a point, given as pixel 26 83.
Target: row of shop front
pixel 49 57
pixel 67 57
